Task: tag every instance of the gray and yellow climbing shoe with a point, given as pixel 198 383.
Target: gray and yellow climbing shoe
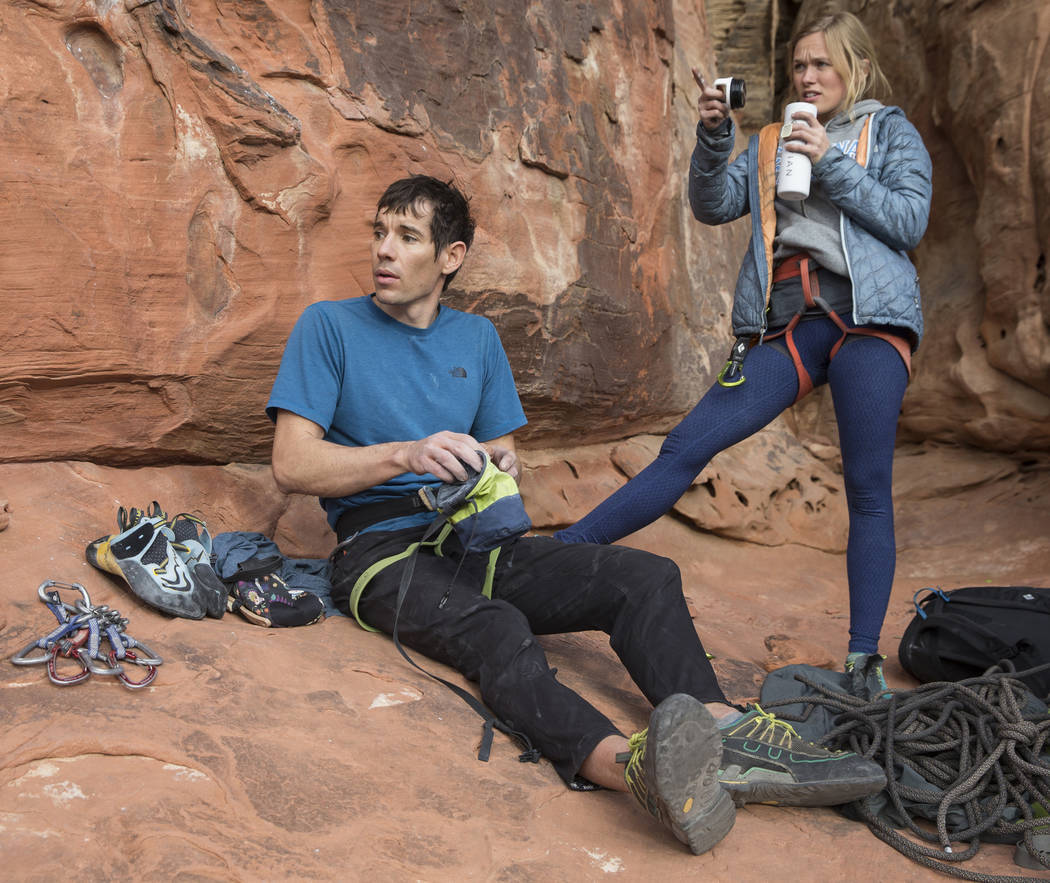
pixel 192 542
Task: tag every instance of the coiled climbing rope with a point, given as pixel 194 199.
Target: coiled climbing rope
pixel 980 748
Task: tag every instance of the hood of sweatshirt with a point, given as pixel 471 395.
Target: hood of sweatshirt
pixel 842 123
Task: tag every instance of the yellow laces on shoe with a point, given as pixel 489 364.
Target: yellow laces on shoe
pixel 762 726
pixel 180 545
pixel 632 773
pixel 185 516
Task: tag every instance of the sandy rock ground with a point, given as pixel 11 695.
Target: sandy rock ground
pixel 319 754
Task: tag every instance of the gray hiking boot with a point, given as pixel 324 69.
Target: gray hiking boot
pixel 672 770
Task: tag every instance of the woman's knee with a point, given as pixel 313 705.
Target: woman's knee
pixel 870 494
pixel 867 474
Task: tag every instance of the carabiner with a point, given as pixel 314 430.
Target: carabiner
pixel 125 680
pixel 53 597
pixel 68 649
pixel 145 657
pixel 88 661
pixel 732 373
pixel 45 643
pixel 20 658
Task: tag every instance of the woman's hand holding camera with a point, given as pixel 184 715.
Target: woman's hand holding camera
pixel 711 104
pixel 810 139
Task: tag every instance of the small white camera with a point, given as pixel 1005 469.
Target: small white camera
pixel 734 89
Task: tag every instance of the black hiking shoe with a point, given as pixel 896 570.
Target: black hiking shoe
pixel 765 761
pixel 672 770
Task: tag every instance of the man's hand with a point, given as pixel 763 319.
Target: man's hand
pixel 440 454
pixel 506 460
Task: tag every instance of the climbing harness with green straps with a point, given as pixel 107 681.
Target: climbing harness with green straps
pixel 486 512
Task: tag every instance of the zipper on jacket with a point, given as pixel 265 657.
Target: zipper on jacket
pixel 842 218
pixel 849 265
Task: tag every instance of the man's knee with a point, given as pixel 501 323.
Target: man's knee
pixel 643 573
pixel 495 630
pixel 509 659
pixel 520 659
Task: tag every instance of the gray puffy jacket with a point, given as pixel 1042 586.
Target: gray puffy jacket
pixel 884 207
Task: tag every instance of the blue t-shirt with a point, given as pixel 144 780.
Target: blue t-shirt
pixel 366 379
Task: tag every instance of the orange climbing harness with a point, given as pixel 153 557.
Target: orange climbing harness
pixel 803 265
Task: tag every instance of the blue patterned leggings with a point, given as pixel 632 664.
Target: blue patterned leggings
pixel 867 379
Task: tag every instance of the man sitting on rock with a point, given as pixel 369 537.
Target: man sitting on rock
pixel 379 396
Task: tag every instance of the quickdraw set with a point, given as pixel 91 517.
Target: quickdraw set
pixel 83 633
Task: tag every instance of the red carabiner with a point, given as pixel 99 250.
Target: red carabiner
pixel 68 648
pixel 124 679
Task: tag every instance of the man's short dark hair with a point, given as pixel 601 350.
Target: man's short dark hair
pixel 450 221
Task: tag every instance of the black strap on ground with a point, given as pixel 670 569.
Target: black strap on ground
pixel 985 759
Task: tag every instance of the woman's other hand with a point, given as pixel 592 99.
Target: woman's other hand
pixel 711 104
pixel 810 139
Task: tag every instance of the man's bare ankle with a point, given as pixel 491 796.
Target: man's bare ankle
pixel 721 712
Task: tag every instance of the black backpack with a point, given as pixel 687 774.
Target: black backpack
pixel 961 633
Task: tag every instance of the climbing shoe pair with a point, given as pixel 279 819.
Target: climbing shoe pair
pixel 765 761
pixel 672 770
pixel 165 561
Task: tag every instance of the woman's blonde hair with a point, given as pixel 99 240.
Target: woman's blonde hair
pixel 849 47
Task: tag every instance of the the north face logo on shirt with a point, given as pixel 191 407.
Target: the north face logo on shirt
pixel 458 371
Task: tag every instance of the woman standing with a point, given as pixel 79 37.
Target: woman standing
pixel 825 294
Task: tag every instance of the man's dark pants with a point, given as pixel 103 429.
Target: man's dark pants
pixel 541 587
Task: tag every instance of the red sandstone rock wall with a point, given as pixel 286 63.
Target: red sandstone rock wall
pixel 182 178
